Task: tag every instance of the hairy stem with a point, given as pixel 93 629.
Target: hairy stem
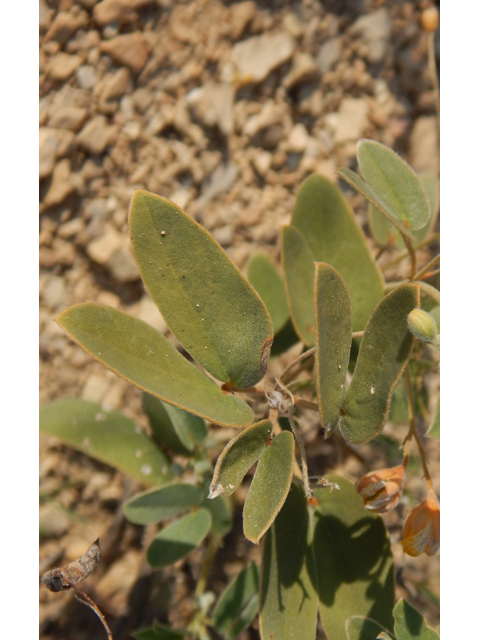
pixel 413 257
pixel 303 455
pixel 301 357
pixel 405 254
pixel 419 275
pixel 88 602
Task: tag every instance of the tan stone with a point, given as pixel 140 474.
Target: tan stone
pixel 62 65
pixel 130 50
pixel 61 185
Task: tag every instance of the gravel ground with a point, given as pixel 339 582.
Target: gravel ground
pixel 224 108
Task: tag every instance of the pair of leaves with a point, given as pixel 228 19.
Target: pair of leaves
pixel 323 229
pixel 238 605
pixel 177 539
pixel 336 560
pixel 385 349
pixel 391 186
pixel 272 478
pixel 207 304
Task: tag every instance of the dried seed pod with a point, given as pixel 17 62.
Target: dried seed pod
pixel 62 578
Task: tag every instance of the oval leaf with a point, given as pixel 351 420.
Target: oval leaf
pixel 384 353
pixel 239 455
pixel 270 486
pixel 410 625
pixel 328 224
pixel 395 183
pixel 238 604
pixel 143 356
pixel 179 538
pixel 352 561
pixel 299 269
pixel 108 436
pixel 333 340
pixel 160 504
pixel 265 278
pixel 174 427
pixel 205 301
pixel 288 601
pixel 361 628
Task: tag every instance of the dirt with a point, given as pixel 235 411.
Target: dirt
pixel 224 108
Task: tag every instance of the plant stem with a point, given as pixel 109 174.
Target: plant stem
pixel 302 356
pixel 303 456
pixel 405 254
pixel 357 334
pixel 207 561
pixel 413 430
pixel 426 268
pixel 306 404
pixel 430 274
pixel 413 257
pixel 88 602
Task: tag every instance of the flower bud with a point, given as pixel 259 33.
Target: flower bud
pixel 381 490
pixel 429 19
pixel 421 532
pixel 422 325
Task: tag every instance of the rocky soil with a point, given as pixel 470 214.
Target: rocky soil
pixel 224 108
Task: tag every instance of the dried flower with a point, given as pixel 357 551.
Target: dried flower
pixel 381 490
pixel 421 532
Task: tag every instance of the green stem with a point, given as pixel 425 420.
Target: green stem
pixel 405 254
pixel 303 455
pixel 301 357
pixel 207 561
pixel 419 275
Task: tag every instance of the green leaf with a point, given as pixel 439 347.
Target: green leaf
pixel 174 427
pixel 410 625
pixel 265 278
pixel 384 353
pixel 430 294
pixel 160 504
pixel 179 538
pixel 239 455
pixel 158 632
pixel 328 224
pixel 205 301
pixel 385 233
pixel 270 486
pixel 353 561
pixel 143 356
pixel 434 428
pixel 238 604
pixel 299 268
pixel 362 628
pixel 288 600
pixel 108 436
pixel 333 340
pixel 395 183
pixel 365 189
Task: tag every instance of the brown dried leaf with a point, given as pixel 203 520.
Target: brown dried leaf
pixel 62 578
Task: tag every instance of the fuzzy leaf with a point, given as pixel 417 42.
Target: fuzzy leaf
pixel 158 632
pixel 288 600
pixel 219 509
pixel 434 428
pixel 410 625
pixel 395 183
pixel 299 268
pixel 143 356
pixel 265 278
pixel 333 340
pixel 179 538
pixel 384 353
pixel 174 427
pixel 238 456
pixel 270 486
pixel 160 504
pixel 108 436
pixel 328 225
pixel 238 605
pixel 353 561
pixel 362 628
pixel 205 301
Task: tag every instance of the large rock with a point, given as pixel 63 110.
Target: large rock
pixel 130 50
pixel 256 57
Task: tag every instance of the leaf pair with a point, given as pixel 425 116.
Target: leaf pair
pixel 272 478
pixel 360 411
pixel 208 305
pixel 336 560
pixel 179 538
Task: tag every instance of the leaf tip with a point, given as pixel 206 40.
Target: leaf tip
pixel 216 490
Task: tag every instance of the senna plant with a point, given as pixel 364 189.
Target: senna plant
pixel 367 346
